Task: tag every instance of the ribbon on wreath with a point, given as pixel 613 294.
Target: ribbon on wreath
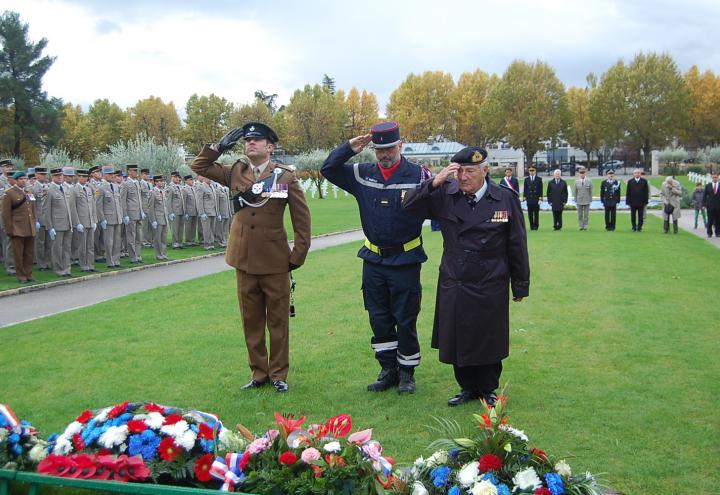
pixel 9 417
pixel 228 471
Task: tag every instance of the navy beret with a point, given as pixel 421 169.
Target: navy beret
pixel 471 155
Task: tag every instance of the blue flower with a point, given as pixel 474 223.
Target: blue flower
pixel 503 489
pixel 145 444
pixel 490 477
pixel 555 483
pixel 51 442
pixel 455 490
pixel 439 476
pixel 453 453
pixel 125 417
pixel 207 445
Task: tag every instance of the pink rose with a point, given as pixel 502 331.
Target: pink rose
pixel 310 454
pixel 360 437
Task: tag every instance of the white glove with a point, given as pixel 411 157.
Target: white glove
pixel 103 224
pixel 126 220
pixel 143 215
pixel 187 217
pixel 154 225
pixel 203 217
pixel 172 217
pixel 94 227
pixel 52 234
pixel 37 225
pixel 79 227
pixel 219 217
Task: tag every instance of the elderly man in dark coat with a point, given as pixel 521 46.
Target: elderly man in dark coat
pixel 485 255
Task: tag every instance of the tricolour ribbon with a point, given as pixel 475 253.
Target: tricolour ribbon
pixel 228 471
pixel 9 416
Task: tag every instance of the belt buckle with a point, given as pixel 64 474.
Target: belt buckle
pixel 381 252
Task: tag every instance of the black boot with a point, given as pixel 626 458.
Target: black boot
pixel 407 381
pixel 666 226
pixel 675 226
pixel 387 378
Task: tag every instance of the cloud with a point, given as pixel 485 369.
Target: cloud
pixel 103 26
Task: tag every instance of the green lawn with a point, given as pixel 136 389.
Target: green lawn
pixel 682 179
pixel 613 356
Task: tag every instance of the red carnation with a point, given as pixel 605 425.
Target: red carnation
pixel 205 432
pixel 86 416
pixel 490 462
pixel 244 460
pixel 78 442
pixel 288 458
pixel 542 491
pixel 171 419
pixel 118 410
pixel 168 449
pixel 136 426
pixel 151 407
pixel 202 467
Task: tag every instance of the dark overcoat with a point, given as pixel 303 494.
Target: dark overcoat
pixel 484 254
pixel 557 194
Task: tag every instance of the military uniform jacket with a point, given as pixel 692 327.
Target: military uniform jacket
pixel 18 212
pixel 557 194
pixel 583 194
pixel 533 190
pixel 637 193
pixel 145 188
pixel 109 206
pixel 83 206
pixel 176 202
pixel 131 199
pixel 158 208
pixel 484 255
pixel 258 242
pixel 223 202
pixel 206 201
pixel 190 195
pixel 610 193
pixel 39 191
pixel 56 207
pixel 383 219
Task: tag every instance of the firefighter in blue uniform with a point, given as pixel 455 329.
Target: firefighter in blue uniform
pixel 392 252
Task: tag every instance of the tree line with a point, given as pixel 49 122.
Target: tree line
pixel 643 104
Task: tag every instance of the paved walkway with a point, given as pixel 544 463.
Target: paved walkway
pixel 687 222
pixel 61 298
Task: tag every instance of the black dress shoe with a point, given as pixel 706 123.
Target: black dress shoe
pixel 280 385
pixel 252 384
pixel 463 397
pixel 490 398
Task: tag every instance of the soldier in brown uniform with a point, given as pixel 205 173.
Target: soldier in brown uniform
pixel 18 218
pixel 258 247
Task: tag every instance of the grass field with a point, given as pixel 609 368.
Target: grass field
pixel 613 356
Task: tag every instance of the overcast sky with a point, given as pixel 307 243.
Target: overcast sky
pixel 130 49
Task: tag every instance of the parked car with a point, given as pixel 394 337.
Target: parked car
pixel 612 164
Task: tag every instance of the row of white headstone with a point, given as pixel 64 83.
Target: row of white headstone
pixel 702 178
pixel 309 185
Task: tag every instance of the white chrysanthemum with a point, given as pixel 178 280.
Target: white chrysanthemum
pixel 38 452
pixel 122 448
pixel 527 478
pixel 468 474
pixel 73 428
pixel 514 432
pixel 419 489
pixel 62 445
pixel 186 440
pixel 563 468
pixel 332 447
pixel 484 487
pixel 175 430
pixel 438 458
pixel 3 434
pixel 102 415
pixel 113 436
pixel 154 420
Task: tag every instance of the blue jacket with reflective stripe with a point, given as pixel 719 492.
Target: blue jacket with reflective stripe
pixel 383 219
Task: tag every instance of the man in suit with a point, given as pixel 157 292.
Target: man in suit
pixel 84 212
pixel 557 196
pixel 637 195
pixel 58 218
pixel 583 198
pixel 610 197
pixel 110 216
pixel 191 211
pixel 258 247
pixel 159 217
pixel 133 213
pixel 711 200
pixel 207 211
pixel 533 193
pixel 485 257
pixel 18 221
pixel 509 182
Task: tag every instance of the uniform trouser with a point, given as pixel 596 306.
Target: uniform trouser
pixel 123 240
pixel 190 230
pixel 636 217
pixel 610 212
pixel 392 300
pixel 7 252
pixel 133 233
pixel 208 231
pixel 534 216
pixel 220 231
pixel 112 237
pixel 61 252
pixel 557 219
pixel 200 232
pixel 160 241
pixel 480 379
pixel 176 227
pixel 704 216
pixel 42 248
pixel 74 246
pixel 147 234
pixel 583 215
pixel 265 299
pixel 23 252
pixel 713 220
pixel 86 249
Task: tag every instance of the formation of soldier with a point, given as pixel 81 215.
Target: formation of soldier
pixel 103 214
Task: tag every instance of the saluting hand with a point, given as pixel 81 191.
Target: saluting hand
pixel 358 143
pixel 445 174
